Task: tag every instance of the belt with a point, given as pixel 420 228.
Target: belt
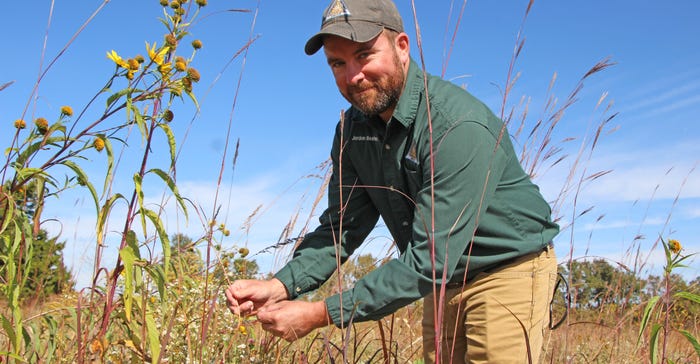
pixel 548 247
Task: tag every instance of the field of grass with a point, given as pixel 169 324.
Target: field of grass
pixel 162 301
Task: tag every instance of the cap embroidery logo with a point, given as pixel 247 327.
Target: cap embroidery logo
pixel 336 9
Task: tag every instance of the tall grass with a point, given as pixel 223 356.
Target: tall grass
pixel 161 300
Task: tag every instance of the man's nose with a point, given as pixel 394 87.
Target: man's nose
pixel 353 73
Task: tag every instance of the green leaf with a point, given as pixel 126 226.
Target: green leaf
pixel 688 296
pixel 693 341
pixel 138 119
pixel 165 241
pixel 24 174
pixel 103 214
pixel 10 211
pixel 194 99
pixel 156 272
pixel 115 97
pixel 173 188
pixel 35 147
pixel 133 243
pixel 7 326
pixel 654 343
pixel 110 163
pixel 83 181
pixel 645 317
pixel 128 258
pixel 153 336
pixel 171 142
pixel 138 184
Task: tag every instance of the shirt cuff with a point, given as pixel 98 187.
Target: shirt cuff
pixel 341 312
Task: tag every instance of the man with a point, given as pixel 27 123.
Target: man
pixel 472 230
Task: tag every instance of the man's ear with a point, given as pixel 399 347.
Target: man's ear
pixel 403 47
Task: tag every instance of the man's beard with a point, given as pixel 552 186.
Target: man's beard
pixel 383 94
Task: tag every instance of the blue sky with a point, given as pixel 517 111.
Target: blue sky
pixel 287 107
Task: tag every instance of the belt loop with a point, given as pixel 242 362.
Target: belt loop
pixel 549 248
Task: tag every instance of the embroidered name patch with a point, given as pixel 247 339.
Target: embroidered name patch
pixel 358 138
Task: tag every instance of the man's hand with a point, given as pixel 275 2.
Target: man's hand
pixel 245 297
pixel 293 320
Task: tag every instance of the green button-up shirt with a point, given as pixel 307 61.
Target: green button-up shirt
pixel 444 177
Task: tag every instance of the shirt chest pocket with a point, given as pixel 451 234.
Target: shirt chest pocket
pixel 413 175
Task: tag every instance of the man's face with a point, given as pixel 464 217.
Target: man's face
pixel 369 75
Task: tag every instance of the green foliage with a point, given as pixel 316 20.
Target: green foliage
pixel 595 284
pixel 48 274
pixel 658 310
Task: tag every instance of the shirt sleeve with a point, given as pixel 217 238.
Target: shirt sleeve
pixel 468 163
pixel 344 225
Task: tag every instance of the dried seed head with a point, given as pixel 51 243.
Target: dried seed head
pixel 193 74
pixel 133 64
pixel 180 66
pixel 168 115
pixel 41 125
pixel 196 44
pixel 171 40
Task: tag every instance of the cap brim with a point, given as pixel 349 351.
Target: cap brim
pixel 355 31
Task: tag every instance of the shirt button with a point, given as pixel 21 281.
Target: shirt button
pixel 298 289
pixel 387 146
pixel 405 223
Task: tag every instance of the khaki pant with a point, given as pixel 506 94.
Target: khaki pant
pixel 482 320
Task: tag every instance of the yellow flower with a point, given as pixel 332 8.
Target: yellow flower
pixel 67 110
pixel 96 346
pixel 196 44
pixel 157 56
pixel 117 59
pixel 41 125
pixel 674 245
pixel 99 144
pixel 165 68
pixel 242 330
pixel 20 124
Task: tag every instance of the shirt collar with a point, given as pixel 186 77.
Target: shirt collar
pixel 407 107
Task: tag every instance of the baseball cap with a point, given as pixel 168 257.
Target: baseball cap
pixel 356 20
